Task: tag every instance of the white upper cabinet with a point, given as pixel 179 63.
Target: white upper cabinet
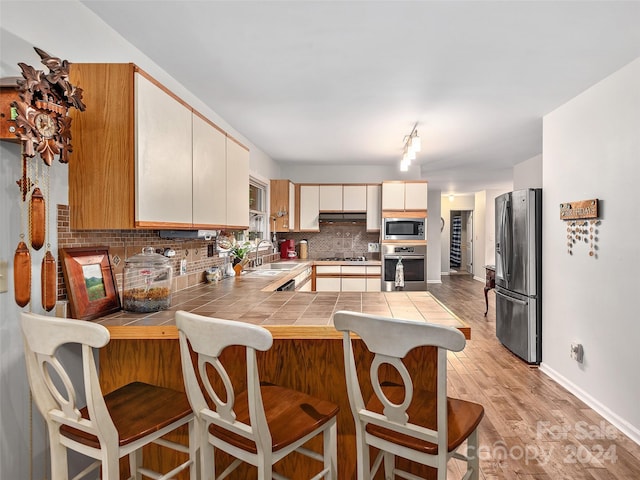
pixel 415 196
pixel 374 206
pixel 404 196
pixel 330 198
pixel 354 198
pixel 309 208
pixel 237 185
pixel 393 195
pixel 163 156
pixel 209 167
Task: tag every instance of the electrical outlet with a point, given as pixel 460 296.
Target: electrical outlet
pixel 577 352
pixel 3 276
pixel 373 247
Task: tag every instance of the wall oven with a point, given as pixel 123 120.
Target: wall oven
pixel 403 229
pixel 414 261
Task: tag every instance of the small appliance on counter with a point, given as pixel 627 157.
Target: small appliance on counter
pixel 304 249
pixel 147 282
pixel 288 249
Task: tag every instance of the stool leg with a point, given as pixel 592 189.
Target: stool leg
pixel 389 465
pixel 194 469
pixel 330 451
pixel 59 466
pixel 135 461
pixel 110 464
pixel 363 466
pixel 207 453
pixel 472 454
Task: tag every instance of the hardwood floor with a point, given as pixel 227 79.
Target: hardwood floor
pixel 533 428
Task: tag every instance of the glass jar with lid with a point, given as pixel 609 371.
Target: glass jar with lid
pixel 147 282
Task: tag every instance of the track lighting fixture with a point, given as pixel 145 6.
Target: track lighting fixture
pixel 412 145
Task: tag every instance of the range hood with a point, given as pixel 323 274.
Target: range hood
pixel 205 234
pixel 342 217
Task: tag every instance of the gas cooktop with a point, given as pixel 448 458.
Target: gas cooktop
pixel 343 259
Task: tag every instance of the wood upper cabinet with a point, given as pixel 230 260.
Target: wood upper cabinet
pixel 309 208
pixel 237 185
pixel 282 206
pixel 142 158
pixel 404 196
pixel 209 168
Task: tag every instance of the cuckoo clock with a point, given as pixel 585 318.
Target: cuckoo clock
pixel 39 120
pixel 43 126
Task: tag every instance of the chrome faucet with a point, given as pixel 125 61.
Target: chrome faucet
pixel 255 263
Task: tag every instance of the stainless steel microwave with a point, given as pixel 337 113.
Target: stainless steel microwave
pixel 403 229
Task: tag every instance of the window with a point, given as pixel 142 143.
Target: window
pixel 257 209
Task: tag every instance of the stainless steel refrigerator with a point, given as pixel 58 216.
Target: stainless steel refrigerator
pixel 519 272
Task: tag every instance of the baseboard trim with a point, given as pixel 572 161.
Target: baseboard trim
pixel 620 423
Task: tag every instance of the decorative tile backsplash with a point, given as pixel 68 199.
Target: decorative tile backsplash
pixel 337 241
pixel 330 241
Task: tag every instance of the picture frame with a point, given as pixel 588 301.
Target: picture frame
pixel 91 285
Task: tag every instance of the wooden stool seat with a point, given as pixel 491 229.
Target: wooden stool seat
pixel 290 415
pixel 137 410
pixel 463 418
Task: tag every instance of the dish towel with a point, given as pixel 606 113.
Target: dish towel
pixel 399 274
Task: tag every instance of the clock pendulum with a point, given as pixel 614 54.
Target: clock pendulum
pixel 22 256
pixel 48 272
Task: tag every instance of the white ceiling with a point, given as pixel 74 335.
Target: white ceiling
pixel 337 82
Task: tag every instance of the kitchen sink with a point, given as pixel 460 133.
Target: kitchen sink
pixel 265 273
pixel 281 266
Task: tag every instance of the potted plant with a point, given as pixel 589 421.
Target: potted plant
pixel 240 254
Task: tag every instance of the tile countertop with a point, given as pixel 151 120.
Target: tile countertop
pixel 287 314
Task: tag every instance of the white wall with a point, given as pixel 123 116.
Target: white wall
pixel 479 235
pixel 434 238
pixel 307 173
pixel 592 150
pixel 85 38
pixel 528 174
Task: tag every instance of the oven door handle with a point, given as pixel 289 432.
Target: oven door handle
pixel 408 257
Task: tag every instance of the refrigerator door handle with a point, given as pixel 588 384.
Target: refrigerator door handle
pixel 511 299
pixel 507 240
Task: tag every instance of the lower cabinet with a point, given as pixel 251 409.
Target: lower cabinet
pixel 348 278
pixel 328 284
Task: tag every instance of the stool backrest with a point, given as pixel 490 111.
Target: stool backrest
pixel 208 337
pixel 52 388
pixel 390 340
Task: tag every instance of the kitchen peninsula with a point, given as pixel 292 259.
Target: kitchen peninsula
pixel 306 354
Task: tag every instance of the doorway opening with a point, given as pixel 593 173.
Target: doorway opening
pixel 461 246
